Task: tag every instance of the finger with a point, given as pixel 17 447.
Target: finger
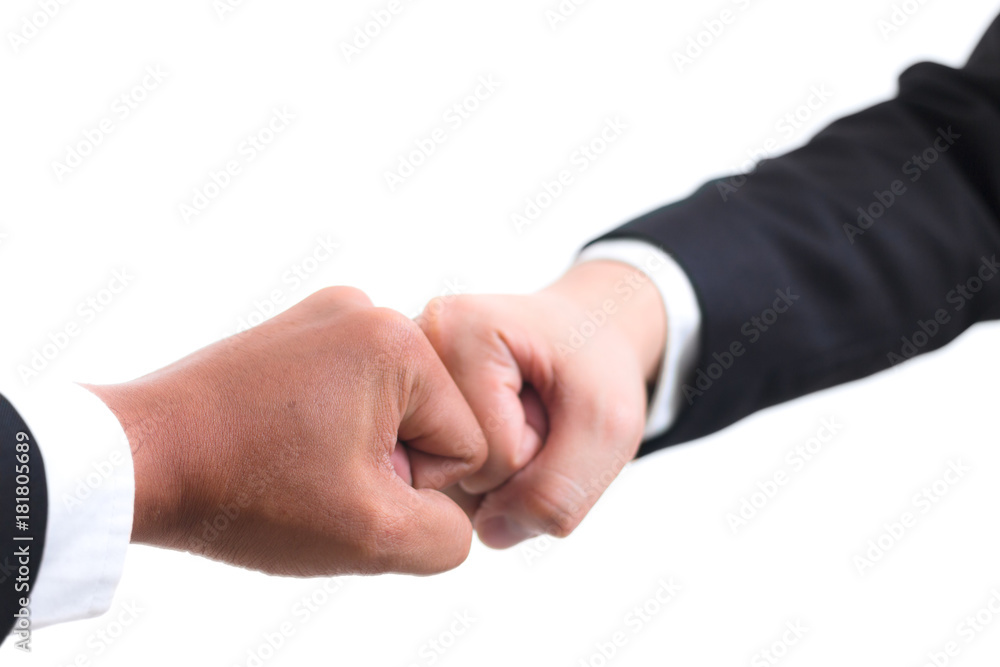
pixel 591 440
pixel 535 414
pixel 429 532
pixel 490 378
pixel 442 435
pixel 467 501
pixel 401 463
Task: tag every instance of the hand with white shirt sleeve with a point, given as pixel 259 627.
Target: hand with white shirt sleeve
pixel 314 444
pixel 560 382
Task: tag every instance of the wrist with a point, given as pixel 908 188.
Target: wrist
pixel 630 301
pixel 146 422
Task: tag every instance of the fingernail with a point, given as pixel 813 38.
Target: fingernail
pixel 500 532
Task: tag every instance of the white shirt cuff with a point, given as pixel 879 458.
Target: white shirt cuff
pixel 91 492
pixel 683 323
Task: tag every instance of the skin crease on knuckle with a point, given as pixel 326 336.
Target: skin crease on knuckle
pixel 556 502
pixel 552 512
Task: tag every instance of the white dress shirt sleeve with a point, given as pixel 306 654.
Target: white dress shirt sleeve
pixel 683 323
pixel 91 491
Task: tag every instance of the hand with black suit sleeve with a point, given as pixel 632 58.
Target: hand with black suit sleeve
pixel 817 269
pixel 558 380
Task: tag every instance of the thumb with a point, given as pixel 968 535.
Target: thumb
pixel 429 533
pixel 592 438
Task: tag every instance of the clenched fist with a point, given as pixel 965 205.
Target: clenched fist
pixel 313 444
pixel 558 380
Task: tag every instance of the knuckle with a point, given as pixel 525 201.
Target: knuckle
pixel 393 341
pixel 475 449
pixel 467 462
pixel 504 459
pixel 443 316
pixel 621 424
pixel 339 295
pixel 436 309
pixel 393 331
pixel 558 507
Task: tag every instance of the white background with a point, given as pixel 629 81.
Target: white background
pixel 450 223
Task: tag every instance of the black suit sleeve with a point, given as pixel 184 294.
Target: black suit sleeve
pixel 22 534
pixel 873 243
